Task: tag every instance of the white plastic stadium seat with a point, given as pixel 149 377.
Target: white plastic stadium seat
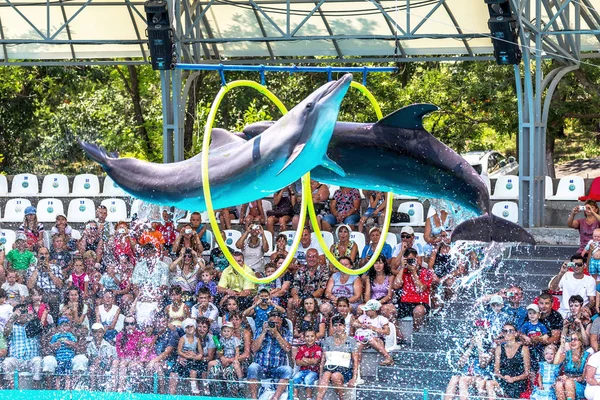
pixel 86 185
pixel 507 210
pixel 47 209
pixel 332 189
pixel 569 188
pixel 81 210
pixel 211 242
pixel 548 187
pixel 267 206
pixel 404 197
pixel 290 238
pixel 506 188
pixel 111 189
pixel 7 238
pixel 24 185
pixel 75 234
pixel 327 236
pixel 359 239
pixel 390 340
pixel 14 210
pixel 116 210
pixel 3 185
pixel 419 242
pixel 391 239
pixel 269 237
pixel 55 185
pixel 488 183
pixel 231 238
pixel 414 209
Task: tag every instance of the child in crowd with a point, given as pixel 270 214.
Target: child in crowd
pixel 308 359
pixel 60 254
pixel 110 279
pixel 191 352
pixel 61 226
pixel 15 292
pixel 342 306
pixel 63 343
pixel 167 229
pixel 79 278
pixel 592 250
pixel 100 354
pixel 274 287
pixel 33 230
pixel 496 317
pixel 262 307
pixel 207 281
pixel 20 257
pixel 229 351
pixel 532 332
pixel 370 330
pixel 37 307
pixel 546 378
pixel 204 308
pixel 147 341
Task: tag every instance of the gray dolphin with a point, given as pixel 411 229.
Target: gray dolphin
pixel 397 154
pixel 240 170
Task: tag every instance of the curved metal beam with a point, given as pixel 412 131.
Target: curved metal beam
pixel 555 81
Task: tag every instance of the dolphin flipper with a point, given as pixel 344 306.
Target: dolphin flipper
pixel 333 166
pixel 488 228
pixel 295 153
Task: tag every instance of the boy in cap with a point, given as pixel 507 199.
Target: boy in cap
pixel 100 353
pixel 229 351
pixel 20 258
pixel 63 343
pixel 534 328
pixel 496 317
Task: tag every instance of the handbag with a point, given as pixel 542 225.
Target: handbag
pixel 399 217
pixel 33 328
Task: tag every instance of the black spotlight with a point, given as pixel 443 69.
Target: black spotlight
pixel 503 26
pixel 160 34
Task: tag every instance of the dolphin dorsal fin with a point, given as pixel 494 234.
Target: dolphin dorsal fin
pixel 221 137
pixel 409 117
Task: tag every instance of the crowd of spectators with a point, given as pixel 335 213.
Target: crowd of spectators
pixel 132 303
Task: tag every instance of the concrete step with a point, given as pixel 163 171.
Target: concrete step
pixel 438 341
pixel 441 360
pixel 541 251
pixel 432 380
pixel 530 281
pixel 386 390
pixel 539 266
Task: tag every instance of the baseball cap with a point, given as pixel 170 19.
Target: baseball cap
pixel 30 210
pixel 496 299
pixel 188 322
pixel 97 326
pixel 61 215
pixel 372 305
pixel 533 307
pixel 227 325
pixel 408 229
pixel 21 236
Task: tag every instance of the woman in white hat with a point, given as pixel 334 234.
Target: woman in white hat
pixel 344 246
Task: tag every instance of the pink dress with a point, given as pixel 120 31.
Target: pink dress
pixel 131 348
pixel 146 348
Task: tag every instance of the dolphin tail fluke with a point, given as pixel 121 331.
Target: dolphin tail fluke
pixel 95 152
pixel 490 228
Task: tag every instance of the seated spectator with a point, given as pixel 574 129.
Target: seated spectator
pixel 204 308
pixel 108 314
pixel 252 213
pixel 150 279
pixel 592 377
pixel 235 285
pixel 546 378
pixel 101 355
pixel 165 349
pixel 79 310
pixel 218 371
pixel 123 243
pixel 188 238
pixel 320 198
pixel 369 249
pixel 341 284
pixel 47 277
pixel 549 317
pixel 344 246
pixel 592 254
pixel 280 248
pixel 310 280
pixel 343 209
pixel 308 358
pixel 253 244
pixel 60 253
pixel 446 269
pixel 279 288
pixel 110 279
pixel 262 307
pixel 572 283
pixel 128 346
pixel 307 242
pixel 15 291
pixel 495 316
pixel 339 364
pixel 24 351
pixel 185 273
pixel 191 355
pixel 41 310
pixel 63 343
pixel 20 258
pixel 228 352
pixel 342 308
pixel 90 262
pixel 434 225
pixel 62 227
pixel 207 281
pixel 231 305
pixel 167 229
pixel 578 319
pixel 226 215
pixel 375 210
pixel 572 355
pixel 6 309
pixel 585 225
pixel 414 285
pixel 378 286
pixel 79 278
pixel 370 329
pixel 177 311
pixel 150 235
pixel 511 365
pixel 534 328
pixel 407 241
pixel 105 228
pixel 200 229
pixel 124 295
pixel 91 239
pixel 271 346
pixel 308 318
pixel 32 229
pixel 283 210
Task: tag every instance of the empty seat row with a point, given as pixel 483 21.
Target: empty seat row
pixel 57 185
pixel 79 210
pixel 570 188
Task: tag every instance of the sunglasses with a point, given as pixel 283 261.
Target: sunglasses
pixel 129 323
pixel 404 236
pixel 579 264
pixel 508 331
pixel 188 256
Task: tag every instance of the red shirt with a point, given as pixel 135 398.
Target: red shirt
pixel 313 351
pixel 409 292
pixel 168 231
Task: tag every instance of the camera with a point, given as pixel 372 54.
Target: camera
pixel 411 261
pixel 188 231
pixel 271 324
pixel 265 300
pixel 121 231
pixel 42 258
pixel 581 208
pixel 568 339
pixel 255 227
pixel 510 294
pixel 188 250
pixel 571 264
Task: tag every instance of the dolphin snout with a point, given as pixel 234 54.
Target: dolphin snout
pixel 344 81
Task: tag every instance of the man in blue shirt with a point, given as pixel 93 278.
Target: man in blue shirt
pixel 271 347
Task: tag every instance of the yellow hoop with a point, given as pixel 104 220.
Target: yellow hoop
pixel 206 184
pixel 388 212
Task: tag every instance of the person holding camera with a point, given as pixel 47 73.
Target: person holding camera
pixel 253 244
pixel 150 279
pixel 91 239
pixel 24 347
pixel 48 277
pixel 413 284
pixel 271 347
pixel 573 283
pixel 585 225
pixel 188 238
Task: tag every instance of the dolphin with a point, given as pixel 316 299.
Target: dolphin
pixel 240 170
pixel 396 154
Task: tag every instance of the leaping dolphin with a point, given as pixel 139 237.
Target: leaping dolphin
pixel 240 170
pixel 397 154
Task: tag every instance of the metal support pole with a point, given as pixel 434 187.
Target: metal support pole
pixel 167 107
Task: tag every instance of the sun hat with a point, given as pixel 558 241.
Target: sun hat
pixel 188 322
pixel 372 305
pixel 337 230
pixel 496 299
pixel 30 210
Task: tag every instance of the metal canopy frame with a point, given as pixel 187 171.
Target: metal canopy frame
pixel 97 32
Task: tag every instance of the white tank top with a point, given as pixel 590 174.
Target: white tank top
pixel 106 317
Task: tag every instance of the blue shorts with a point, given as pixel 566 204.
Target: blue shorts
pixel 579 390
pixel 349 220
pixel 594 266
pixel 64 367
